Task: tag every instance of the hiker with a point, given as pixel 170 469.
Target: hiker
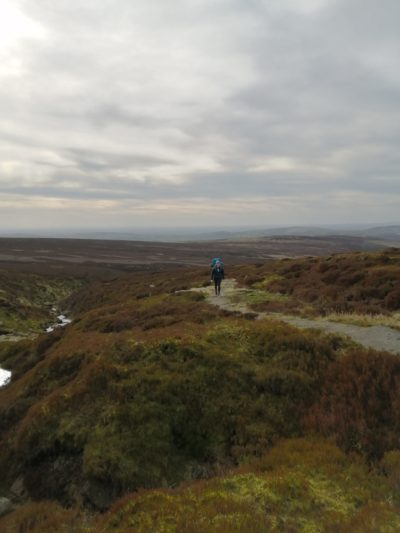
pixel 217 275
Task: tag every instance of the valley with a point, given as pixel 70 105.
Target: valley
pixel 161 407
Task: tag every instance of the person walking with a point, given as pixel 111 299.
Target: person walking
pixel 217 275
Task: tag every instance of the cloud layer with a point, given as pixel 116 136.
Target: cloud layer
pixel 194 112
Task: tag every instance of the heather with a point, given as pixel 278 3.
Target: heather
pixel 166 413
pixel 363 283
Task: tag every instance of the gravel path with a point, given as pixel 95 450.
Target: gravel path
pixel 377 337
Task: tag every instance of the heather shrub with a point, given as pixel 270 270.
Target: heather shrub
pixel 392 300
pixel 300 485
pixel 149 387
pixel 358 282
pixel 359 402
pixel 43 517
pixel 131 414
pixel 374 517
pixel 305 484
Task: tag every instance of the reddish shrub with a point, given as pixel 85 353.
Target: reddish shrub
pixel 392 300
pixel 359 403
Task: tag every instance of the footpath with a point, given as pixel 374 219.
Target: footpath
pixel 376 337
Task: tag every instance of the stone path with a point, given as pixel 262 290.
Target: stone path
pixel 377 337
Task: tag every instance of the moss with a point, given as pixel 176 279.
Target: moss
pixel 250 487
pixel 305 497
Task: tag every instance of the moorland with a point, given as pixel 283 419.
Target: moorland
pixel 156 411
pixel 157 255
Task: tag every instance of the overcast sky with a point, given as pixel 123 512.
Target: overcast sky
pixel 199 112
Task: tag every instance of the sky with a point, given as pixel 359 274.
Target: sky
pixel 183 113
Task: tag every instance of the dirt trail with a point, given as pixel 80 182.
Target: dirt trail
pixel 377 337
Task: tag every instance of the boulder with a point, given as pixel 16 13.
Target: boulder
pixel 5 506
pixel 18 488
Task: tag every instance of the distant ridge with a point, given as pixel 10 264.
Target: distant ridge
pixel 389 232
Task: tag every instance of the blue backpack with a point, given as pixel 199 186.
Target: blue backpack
pixel 215 261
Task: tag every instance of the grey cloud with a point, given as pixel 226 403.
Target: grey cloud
pixel 120 96
pixel 218 186
pixel 104 114
pixel 87 160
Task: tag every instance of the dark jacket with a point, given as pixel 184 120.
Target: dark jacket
pixel 217 273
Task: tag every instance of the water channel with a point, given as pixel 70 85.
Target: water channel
pixel 62 321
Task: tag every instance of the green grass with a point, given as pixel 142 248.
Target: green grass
pixel 366 320
pixel 267 280
pixel 254 297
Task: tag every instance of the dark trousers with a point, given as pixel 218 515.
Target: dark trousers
pixel 217 284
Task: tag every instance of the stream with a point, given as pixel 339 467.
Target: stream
pixel 5 377
pixel 62 320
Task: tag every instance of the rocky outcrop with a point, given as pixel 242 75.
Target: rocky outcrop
pixel 5 506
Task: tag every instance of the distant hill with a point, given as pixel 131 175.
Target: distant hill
pixel 391 233
pixel 379 232
pixel 387 232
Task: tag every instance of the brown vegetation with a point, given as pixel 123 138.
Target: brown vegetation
pixel 359 403
pixel 152 387
pixel 358 282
